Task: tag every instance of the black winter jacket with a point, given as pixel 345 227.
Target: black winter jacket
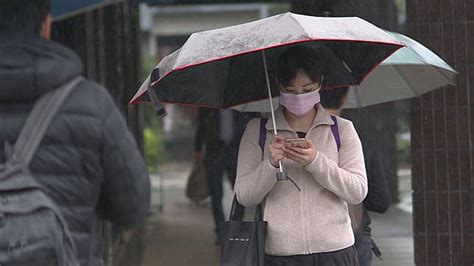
pixel 88 161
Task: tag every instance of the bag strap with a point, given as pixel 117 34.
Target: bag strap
pixel 335 132
pixel 235 204
pixel 263 134
pixel 261 142
pixel 39 120
pixel 258 216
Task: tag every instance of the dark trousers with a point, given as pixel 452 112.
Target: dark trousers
pixel 220 158
pixel 363 246
pixel 343 257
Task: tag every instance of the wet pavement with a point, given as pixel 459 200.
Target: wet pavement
pixel 181 233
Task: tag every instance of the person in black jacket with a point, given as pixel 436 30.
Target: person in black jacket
pixel 219 133
pixel 378 197
pixel 88 162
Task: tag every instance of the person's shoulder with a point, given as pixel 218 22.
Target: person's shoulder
pixel 91 86
pixel 347 130
pixel 254 124
pixel 343 123
pixel 90 98
pixel 91 91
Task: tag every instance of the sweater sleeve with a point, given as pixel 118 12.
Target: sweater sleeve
pixel 255 178
pixel 348 179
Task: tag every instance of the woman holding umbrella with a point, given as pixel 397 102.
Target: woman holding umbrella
pixel 308 224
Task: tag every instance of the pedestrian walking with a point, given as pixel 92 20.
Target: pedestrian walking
pixel 378 197
pixel 217 142
pixel 308 224
pixel 87 165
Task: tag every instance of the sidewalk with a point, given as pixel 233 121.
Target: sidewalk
pixel 393 230
pixel 182 234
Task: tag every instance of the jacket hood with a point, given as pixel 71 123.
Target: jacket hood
pixel 31 66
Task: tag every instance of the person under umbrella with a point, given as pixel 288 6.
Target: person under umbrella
pixel 378 197
pixel 217 140
pixel 309 223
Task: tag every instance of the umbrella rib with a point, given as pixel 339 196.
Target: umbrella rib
pixel 356 91
pixel 430 65
pixel 182 49
pixel 442 74
pixel 406 81
pixel 335 55
pixel 299 24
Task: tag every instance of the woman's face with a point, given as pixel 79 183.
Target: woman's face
pixel 302 83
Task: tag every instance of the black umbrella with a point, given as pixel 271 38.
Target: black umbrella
pixel 231 66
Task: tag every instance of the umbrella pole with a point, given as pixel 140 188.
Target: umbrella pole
pixel 281 175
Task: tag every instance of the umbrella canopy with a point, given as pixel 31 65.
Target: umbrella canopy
pixel 61 9
pixel 410 72
pixel 223 68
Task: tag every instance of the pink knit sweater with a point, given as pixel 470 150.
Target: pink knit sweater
pixel 315 219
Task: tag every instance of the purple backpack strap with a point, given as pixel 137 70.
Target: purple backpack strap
pixel 335 132
pixel 263 134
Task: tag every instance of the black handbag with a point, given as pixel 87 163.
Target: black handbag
pixel 243 242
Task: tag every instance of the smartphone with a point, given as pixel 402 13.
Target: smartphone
pixel 300 142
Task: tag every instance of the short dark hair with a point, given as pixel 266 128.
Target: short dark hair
pixel 295 58
pixel 25 15
pixel 332 98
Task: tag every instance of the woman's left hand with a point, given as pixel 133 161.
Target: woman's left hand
pixel 303 156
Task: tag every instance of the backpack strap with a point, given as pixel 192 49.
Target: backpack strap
pixel 258 216
pixel 39 120
pixel 335 132
pixel 261 142
pixel 263 134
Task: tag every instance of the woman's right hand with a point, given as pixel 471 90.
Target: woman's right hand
pixel 276 150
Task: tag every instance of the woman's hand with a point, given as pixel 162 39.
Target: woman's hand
pixel 303 156
pixel 276 150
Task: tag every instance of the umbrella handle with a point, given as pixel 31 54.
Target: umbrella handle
pixel 281 175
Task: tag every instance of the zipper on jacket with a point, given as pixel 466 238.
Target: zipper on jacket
pixel 305 216
pixel 303 204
